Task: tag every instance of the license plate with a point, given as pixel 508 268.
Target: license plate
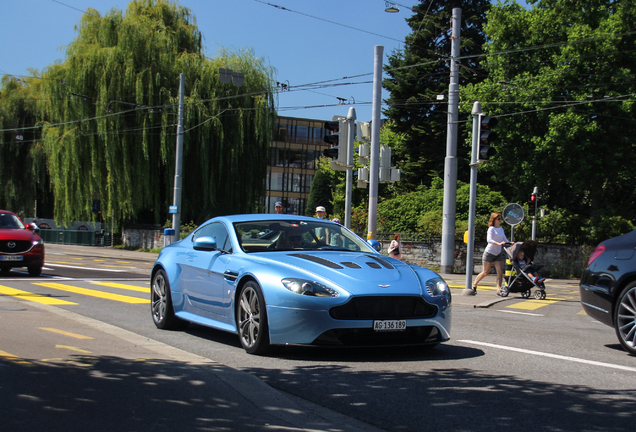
pixel 389 325
pixel 11 257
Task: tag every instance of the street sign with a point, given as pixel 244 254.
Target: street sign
pixel 172 210
pixel 513 214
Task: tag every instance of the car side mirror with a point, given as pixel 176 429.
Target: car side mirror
pixel 375 244
pixel 33 227
pixel 205 244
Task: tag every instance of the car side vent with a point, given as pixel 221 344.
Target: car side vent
pixel 381 261
pixel 351 265
pixel 374 265
pixel 318 260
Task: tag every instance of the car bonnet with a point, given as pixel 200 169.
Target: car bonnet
pixel 358 273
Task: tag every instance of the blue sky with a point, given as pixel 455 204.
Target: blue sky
pixel 304 44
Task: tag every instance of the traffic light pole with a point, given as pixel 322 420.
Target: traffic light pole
pixel 351 119
pixel 535 192
pixel 472 204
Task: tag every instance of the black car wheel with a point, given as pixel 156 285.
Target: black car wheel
pixel 161 304
pixel 625 318
pixel 35 270
pixel 252 319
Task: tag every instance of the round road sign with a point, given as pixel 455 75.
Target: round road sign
pixel 513 214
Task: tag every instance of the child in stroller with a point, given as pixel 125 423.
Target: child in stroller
pixel 522 275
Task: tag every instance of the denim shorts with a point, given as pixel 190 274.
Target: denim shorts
pixel 488 257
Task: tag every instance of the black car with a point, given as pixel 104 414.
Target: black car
pixel 608 287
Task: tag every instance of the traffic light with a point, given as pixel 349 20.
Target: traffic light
pixel 532 203
pixel 338 139
pixel 486 137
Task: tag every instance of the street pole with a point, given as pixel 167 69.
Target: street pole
pixel 535 192
pixel 472 204
pixel 351 120
pixel 176 217
pixel 450 165
pixel 375 141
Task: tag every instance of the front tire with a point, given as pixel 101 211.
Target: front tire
pixel 252 320
pixel 161 304
pixel 625 318
pixel 35 271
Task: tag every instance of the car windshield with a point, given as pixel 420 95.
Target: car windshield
pixel 290 235
pixel 10 221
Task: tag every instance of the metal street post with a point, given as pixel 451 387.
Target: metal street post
pixel 351 119
pixel 472 204
pixel 176 217
pixel 450 163
pixel 535 192
pixel 375 142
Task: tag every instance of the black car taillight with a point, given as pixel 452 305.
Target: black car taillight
pixel 597 253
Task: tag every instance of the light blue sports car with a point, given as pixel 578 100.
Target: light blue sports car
pixel 286 280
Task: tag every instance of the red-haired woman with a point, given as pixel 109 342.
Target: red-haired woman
pixel 395 248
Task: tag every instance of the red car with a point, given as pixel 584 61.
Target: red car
pixel 20 246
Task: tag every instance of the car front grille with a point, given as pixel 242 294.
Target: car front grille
pixel 384 307
pixel 424 335
pixel 20 246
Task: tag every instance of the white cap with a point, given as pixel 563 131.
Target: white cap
pixel 320 208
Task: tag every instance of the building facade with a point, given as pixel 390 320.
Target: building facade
pixel 297 145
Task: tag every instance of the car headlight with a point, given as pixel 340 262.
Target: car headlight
pixel 37 242
pixel 307 287
pixel 437 288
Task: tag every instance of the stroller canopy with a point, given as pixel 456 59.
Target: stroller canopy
pixel 529 249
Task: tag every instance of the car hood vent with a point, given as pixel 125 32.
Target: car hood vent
pixel 351 264
pixel 318 260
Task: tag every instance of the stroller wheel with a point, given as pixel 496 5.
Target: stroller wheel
pixel 526 294
pixel 504 291
pixel 539 294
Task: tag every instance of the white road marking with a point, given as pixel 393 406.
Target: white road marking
pixel 86 268
pixel 555 356
pixel 520 313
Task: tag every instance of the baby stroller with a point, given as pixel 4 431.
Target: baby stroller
pixel 516 280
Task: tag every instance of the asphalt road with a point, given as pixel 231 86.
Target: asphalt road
pixel 511 363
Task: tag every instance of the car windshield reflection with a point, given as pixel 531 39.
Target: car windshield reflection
pixel 290 235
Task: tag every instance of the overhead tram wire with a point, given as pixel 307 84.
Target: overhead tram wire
pixel 329 21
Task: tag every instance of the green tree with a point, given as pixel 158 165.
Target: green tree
pixel 421 211
pixel 418 74
pixel 321 190
pixel 561 80
pixel 21 148
pixel 111 109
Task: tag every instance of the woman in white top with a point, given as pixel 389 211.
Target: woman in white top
pixel 493 252
pixel 395 248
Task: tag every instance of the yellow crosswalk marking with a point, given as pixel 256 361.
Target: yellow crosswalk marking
pixel 533 304
pixel 93 293
pixel 33 297
pixel 15 359
pixel 65 333
pixel 72 348
pixel 123 286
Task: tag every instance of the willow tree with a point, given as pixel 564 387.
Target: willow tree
pixel 23 173
pixel 112 113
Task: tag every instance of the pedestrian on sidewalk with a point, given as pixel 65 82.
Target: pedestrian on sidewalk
pixel 493 254
pixel 395 248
